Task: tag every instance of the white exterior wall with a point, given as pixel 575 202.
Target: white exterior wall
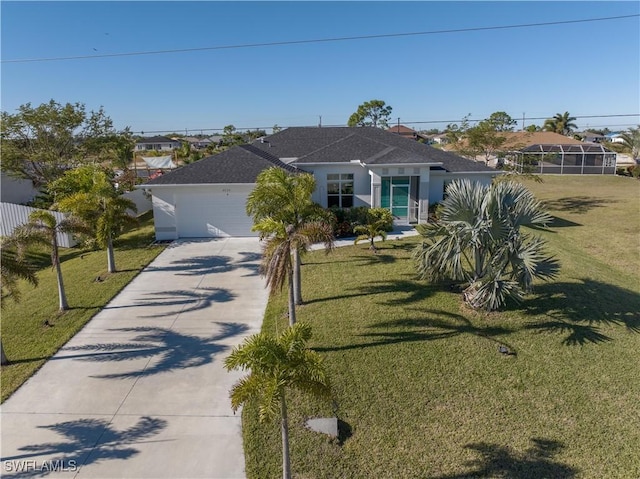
pixel 16 190
pixel 361 186
pixel 423 172
pixel 143 202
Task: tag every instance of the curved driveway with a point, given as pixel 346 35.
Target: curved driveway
pixel 141 391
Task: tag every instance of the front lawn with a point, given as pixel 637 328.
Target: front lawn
pixel 33 330
pixel 420 387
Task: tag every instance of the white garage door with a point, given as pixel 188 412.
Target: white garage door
pixel 219 212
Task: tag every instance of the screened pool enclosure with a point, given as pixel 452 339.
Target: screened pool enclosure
pixel 584 159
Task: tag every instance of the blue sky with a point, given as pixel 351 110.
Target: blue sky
pixel 583 68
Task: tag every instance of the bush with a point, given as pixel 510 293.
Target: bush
pixel 344 220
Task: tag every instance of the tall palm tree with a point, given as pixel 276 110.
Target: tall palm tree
pixel 102 206
pixel 281 254
pixel 562 123
pixel 285 200
pixel 13 268
pixel 477 242
pixel 277 364
pixel 43 228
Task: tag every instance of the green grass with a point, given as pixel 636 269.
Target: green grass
pixel 420 388
pixel 28 341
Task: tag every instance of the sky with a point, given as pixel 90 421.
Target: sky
pixel 587 69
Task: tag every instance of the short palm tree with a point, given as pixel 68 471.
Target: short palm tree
pixel 370 232
pixel 43 228
pixel 13 268
pixel 281 199
pixel 277 364
pixel 102 206
pixel 477 242
pixel 562 123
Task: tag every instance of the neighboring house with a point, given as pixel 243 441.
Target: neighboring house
pixel 157 143
pixel 16 190
pixel 591 137
pixel 615 137
pixel 548 152
pixel 407 132
pixel 355 166
pixel 440 139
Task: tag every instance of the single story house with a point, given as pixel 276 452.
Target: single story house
pixel 408 133
pixel 353 166
pixel 158 143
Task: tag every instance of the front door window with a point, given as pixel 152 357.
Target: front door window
pixel 395 195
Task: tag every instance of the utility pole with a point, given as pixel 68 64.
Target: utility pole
pixel 522 121
pixel 320 124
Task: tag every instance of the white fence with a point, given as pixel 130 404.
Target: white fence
pixel 12 216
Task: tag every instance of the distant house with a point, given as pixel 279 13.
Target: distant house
pixel 591 137
pixel 408 133
pixel 615 137
pixel 353 166
pixel 548 152
pixel 440 139
pixel 157 143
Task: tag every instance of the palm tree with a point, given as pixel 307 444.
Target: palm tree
pixel 631 141
pixel 102 205
pixel 562 123
pixel 285 200
pixel 370 232
pixel 281 254
pixel 13 268
pixel 477 241
pixel 277 364
pixel 43 228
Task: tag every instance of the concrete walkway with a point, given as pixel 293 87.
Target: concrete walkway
pixel 141 391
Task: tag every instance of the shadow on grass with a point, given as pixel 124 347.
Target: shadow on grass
pixel 442 325
pixel 500 461
pixel 577 204
pixel 169 349
pixel 581 309
pixel 87 441
pixel 408 290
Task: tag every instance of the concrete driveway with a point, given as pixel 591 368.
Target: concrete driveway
pixel 141 391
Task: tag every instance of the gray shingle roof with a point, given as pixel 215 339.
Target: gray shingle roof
pixel 369 145
pixel 240 164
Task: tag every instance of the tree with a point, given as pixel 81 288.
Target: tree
pixel 455 133
pixel 501 121
pixel 43 228
pixel 370 232
pixel 89 194
pixel 477 242
pixel 532 128
pixel 184 151
pixel 277 364
pixel 561 123
pixel 281 200
pixel 631 141
pixel 13 268
pixel 40 143
pixel 484 139
pixel 371 113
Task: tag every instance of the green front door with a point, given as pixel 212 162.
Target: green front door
pixel 395 195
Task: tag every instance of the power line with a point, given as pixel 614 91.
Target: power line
pixel 195 130
pixel 319 40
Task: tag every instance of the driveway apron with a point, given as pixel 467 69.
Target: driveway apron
pixel 141 391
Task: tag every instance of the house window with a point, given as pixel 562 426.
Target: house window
pixel 340 190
